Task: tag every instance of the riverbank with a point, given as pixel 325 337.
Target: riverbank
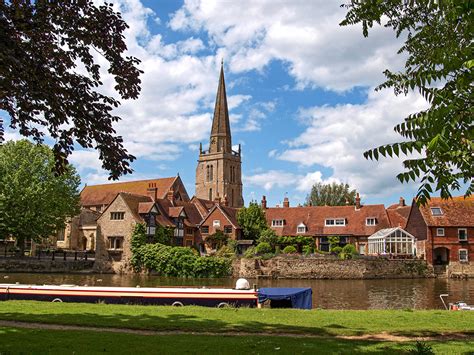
pixel 209 330
pixel 330 268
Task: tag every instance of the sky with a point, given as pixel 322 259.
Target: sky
pixel 300 90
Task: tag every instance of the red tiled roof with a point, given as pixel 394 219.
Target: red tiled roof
pixel 192 212
pixel 203 206
pixel 145 207
pixel 174 212
pixel 104 194
pixel 398 215
pixel 133 201
pixel 314 218
pixel 229 212
pixel 457 212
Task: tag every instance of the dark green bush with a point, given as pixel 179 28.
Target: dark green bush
pixel 263 248
pixel 174 261
pixel 250 253
pixel 335 250
pixel 348 251
pixel 290 249
pixel 307 249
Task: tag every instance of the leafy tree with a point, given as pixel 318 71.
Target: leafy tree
pixel 34 203
pixel 439 64
pixel 252 221
pixel 333 242
pixel 49 76
pixel 269 236
pixel 330 195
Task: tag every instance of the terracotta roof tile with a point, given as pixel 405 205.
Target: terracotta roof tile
pixel 145 207
pixel 104 194
pixel 398 215
pixel 314 218
pixel 133 201
pixel 457 212
pixel 174 212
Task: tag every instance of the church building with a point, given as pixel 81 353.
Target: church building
pixel 219 173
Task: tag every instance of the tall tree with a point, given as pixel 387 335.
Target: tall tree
pixel 252 221
pixel 49 78
pixel 439 64
pixel 34 202
pixel 331 195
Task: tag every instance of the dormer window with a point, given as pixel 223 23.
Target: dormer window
pixel 335 222
pixel 278 222
pixel 371 221
pixel 436 211
pixel 301 228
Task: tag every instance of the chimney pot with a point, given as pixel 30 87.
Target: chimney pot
pixel 401 202
pixel 264 202
pixel 357 201
pixel 286 202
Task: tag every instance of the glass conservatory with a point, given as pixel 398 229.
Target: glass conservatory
pixel 393 241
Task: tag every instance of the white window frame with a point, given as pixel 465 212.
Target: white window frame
pixel 371 219
pixel 459 237
pixel 278 222
pixel 301 228
pixel 440 232
pixel 112 240
pixel 216 223
pixel 467 256
pixel 335 222
pixel 436 214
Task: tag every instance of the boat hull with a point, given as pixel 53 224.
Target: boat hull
pixel 119 295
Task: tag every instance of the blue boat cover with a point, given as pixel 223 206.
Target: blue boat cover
pixel 299 297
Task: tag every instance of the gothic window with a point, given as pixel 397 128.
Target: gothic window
pixel 207 173
pixel 232 197
pixel 210 194
pixel 212 173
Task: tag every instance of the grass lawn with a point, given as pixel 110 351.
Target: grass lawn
pixel 29 341
pixel 199 319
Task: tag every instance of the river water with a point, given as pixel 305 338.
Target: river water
pixel 327 294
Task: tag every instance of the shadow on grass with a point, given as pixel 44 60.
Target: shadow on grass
pixel 17 340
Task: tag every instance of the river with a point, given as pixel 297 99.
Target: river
pixel 327 294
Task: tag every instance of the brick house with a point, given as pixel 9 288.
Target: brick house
pixel 220 218
pixel 446 230
pixel 351 223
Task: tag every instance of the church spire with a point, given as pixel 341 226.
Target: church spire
pixel 221 140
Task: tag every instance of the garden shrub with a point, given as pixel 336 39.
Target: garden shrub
pixel 307 249
pixel 268 236
pixel 226 251
pixel 174 261
pixel 250 253
pixel 263 248
pixel 335 250
pixel 348 251
pixel 290 249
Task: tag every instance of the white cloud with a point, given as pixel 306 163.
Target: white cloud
pixel 337 136
pixel 303 34
pixel 280 179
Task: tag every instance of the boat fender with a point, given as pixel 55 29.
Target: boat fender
pixel 242 284
pixel 177 304
pixel 223 305
pixel 57 300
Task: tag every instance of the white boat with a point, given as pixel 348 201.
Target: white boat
pixel 457 306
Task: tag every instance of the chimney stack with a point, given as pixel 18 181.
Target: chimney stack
pixel 264 202
pixel 401 202
pixel 170 195
pixel 357 201
pixel 226 201
pixel 286 202
pixel 152 191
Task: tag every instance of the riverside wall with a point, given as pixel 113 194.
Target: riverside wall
pixel 325 268
pixel 40 266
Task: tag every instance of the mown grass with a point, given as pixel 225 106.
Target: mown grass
pixel 29 341
pixel 202 319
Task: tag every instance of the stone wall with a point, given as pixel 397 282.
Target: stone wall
pixel 33 265
pixel 460 270
pixel 326 268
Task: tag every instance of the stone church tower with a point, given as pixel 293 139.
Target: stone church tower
pixel 218 173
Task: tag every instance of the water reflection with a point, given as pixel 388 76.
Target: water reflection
pixel 327 294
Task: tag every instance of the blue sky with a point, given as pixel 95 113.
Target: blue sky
pixel 300 90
